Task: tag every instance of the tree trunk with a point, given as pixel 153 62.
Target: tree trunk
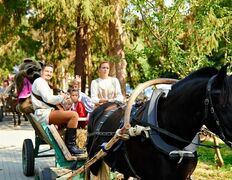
pixel 82 50
pixel 116 41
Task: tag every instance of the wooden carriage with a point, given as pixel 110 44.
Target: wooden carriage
pixel 64 161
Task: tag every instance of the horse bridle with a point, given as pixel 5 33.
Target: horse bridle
pixel 209 109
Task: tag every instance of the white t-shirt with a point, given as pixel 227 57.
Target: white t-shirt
pixel 41 88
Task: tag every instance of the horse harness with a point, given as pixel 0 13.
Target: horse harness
pixel 209 105
pixel 150 119
pixel 100 123
pixel 121 144
pixel 149 115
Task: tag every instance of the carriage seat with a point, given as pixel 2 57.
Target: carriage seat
pixel 83 122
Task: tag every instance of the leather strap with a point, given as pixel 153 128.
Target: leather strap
pixel 41 99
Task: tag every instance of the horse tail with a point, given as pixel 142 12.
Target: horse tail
pixel 103 172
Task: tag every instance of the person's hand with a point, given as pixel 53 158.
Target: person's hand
pixel 67 104
pixel 65 95
pixel 78 78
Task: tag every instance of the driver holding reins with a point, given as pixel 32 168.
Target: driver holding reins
pixel 44 103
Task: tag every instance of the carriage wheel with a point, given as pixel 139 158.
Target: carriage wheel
pixel 28 158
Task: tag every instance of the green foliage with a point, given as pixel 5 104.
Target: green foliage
pixel 161 40
pixel 135 67
pixel 12 13
pixel 207 163
pixel 29 45
pixel 207 155
pixel 179 38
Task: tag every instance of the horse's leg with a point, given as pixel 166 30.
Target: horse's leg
pixel 87 174
pixel 25 117
pixel 104 172
pixel 1 113
pixel 5 109
pixel 14 118
pixel 19 120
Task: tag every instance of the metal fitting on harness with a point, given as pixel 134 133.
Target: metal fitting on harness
pixel 138 130
pixel 181 154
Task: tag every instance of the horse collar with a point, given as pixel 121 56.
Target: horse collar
pixel 157 141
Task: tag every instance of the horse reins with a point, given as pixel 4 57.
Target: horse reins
pixel 208 105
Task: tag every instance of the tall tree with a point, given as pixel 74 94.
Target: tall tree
pixel 116 44
pixel 54 24
pixel 82 48
pixel 12 14
pixel 177 38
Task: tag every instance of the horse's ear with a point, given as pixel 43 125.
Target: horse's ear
pixel 219 80
pixel 41 63
pixel 27 60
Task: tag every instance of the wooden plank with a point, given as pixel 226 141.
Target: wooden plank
pixel 38 128
pixel 63 147
pixel 42 134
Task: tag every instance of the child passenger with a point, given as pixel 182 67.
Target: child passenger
pixel 77 96
pixel 82 104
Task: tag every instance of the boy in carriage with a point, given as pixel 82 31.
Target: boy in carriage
pixel 81 103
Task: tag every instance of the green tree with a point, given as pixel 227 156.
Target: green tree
pixel 12 15
pixel 177 39
pixel 54 25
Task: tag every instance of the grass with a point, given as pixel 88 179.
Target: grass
pixel 207 168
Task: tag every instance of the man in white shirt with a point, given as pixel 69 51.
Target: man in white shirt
pixel 44 103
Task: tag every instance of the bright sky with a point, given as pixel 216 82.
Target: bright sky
pixel 168 3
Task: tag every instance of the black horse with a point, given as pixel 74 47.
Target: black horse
pixel 202 98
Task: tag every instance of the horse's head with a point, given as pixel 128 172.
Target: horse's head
pixel 31 68
pixel 203 97
pixel 28 69
pixel 218 105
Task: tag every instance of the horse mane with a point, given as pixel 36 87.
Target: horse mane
pixel 205 72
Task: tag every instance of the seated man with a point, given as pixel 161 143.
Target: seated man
pixel 44 103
